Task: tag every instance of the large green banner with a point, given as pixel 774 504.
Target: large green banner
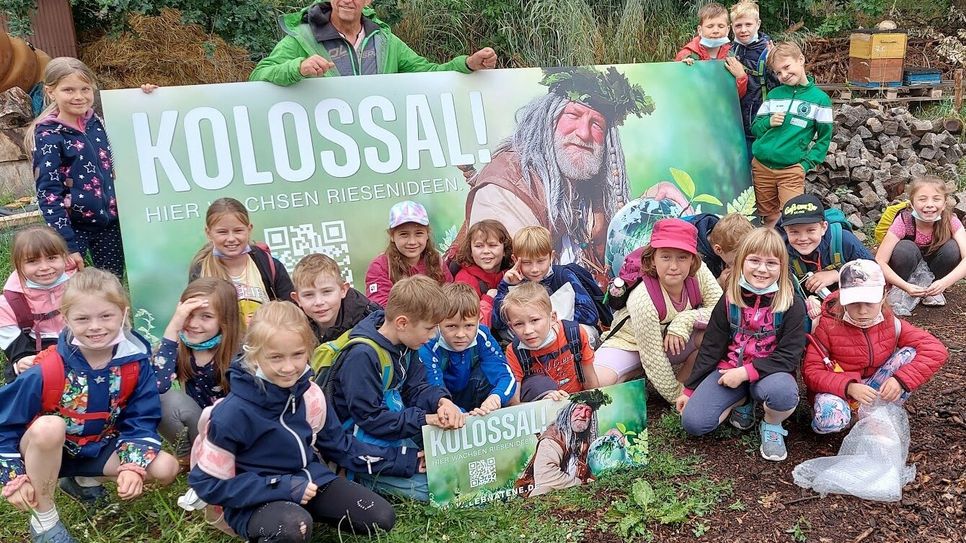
pixel 595 154
pixel 534 448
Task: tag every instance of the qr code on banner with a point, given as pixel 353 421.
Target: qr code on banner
pixel 482 472
pixel 290 243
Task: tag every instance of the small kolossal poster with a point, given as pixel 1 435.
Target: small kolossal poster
pixel 534 448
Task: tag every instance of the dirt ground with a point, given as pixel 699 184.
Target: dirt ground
pixel 932 506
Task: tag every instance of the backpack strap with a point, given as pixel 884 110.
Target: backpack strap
pixel 571 332
pixel 734 317
pixel 130 373
pixel 836 230
pixel 657 296
pixel 21 309
pixel 53 378
pixel 693 290
pixel 797 266
pixel 523 357
pixel 385 362
pixel 271 261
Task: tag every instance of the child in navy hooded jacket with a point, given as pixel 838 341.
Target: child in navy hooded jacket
pixel 259 457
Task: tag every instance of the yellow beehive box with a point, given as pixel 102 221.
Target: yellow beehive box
pixel 877 45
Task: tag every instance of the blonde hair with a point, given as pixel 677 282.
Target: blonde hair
pixel 783 49
pixel 224 303
pixel 418 298
pixel 532 242
pixel 268 320
pixel 398 268
pixel 93 282
pixel 711 10
pixel 208 264
pixel 461 301
pixel 527 293
pixel 486 229
pixel 57 69
pixel 729 231
pixel 311 266
pixel 36 242
pixel 942 230
pixel 765 242
pixel 745 8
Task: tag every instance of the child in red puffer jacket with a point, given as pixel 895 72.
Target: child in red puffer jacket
pixel 861 351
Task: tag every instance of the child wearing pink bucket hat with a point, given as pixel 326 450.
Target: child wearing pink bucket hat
pixel 411 251
pixel 659 331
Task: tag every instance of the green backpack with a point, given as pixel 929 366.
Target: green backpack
pixel 327 358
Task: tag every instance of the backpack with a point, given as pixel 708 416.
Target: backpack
pixel 692 292
pixel 586 280
pixel 889 216
pixel 836 223
pixel 571 332
pixel 271 261
pixel 27 320
pixel 734 321
pixel 54 381
pixel 327 359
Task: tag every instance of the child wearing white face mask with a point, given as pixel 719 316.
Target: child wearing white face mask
pixel 926 231
pixel 712 43
pixel 87 408
pixel 860 351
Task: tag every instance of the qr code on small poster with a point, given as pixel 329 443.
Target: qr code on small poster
pixel 290 243
pixel 482 472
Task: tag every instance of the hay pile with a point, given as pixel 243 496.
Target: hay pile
pixel 165 51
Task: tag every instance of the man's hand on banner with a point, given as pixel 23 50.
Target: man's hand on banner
pixel 484 59
pixel 315 66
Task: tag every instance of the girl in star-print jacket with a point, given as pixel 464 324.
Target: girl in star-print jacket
pixel 74 169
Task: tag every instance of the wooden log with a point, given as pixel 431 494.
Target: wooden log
pixel 953 126
pixel 15 108
pixel 958 89
pixel 11 145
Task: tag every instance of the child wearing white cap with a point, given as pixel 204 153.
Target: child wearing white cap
pixel 411 251
pixel 860 351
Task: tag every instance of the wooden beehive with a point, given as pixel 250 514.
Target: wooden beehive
pixel 878 72
pixel 877 45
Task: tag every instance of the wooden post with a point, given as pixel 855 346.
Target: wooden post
pixel 958 89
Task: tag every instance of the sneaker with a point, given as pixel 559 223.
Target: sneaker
pixel 86 495
pixel 773 442
pixel 938 300
pixel 57 534
pixel 743 416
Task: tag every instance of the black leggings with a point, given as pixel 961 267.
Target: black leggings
pixel 345 505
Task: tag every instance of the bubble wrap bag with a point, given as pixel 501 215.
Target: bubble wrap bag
pixel 871 463
pixel 901 302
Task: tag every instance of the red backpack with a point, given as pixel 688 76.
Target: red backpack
pixel 54 381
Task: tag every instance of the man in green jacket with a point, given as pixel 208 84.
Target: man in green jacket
pixel 343 37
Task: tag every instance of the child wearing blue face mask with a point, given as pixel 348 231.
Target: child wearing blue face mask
pixel 30 318
pixel 751 349
pixel 192 361
pixel 751 47
pixel 712 43
pixel 230 254
pixel 929 232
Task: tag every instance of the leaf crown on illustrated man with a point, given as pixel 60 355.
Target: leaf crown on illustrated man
pixel 609 93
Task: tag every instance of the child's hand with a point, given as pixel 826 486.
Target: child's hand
pixel 777 119
pixel 513 276
pixel 490 404
pixel 674 345
pixel 822 279
pixel 148 88
pixel 24 498
pixel 315 66
pixel 733 377
pixel 24 364
pixel 491 293
pixel 689 61
pixel 78 260
pixel 723 278
pixel 180 317
pixel 681 402
pixel 735 67
pixel 557 395
pixel 421 466
pixel 310 490
pixel 913 290
pixel 937 287
pixel 890 390
pixel 130 484
pixel 449 415
pixel 861 393
pixel 814 307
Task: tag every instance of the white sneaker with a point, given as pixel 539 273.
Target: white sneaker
pixel 938 300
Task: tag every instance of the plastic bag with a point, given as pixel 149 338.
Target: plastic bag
pixel 901 302
pixel 871 463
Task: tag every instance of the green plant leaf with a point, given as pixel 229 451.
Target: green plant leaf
pixel 643 493
pixel 622 428
pixel 684 182
pixel 707 199
pixel 744 204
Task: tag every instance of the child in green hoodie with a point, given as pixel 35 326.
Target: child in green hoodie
pixel 793 129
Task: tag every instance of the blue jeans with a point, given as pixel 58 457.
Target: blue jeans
pixel 702 414
pixel 415 487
